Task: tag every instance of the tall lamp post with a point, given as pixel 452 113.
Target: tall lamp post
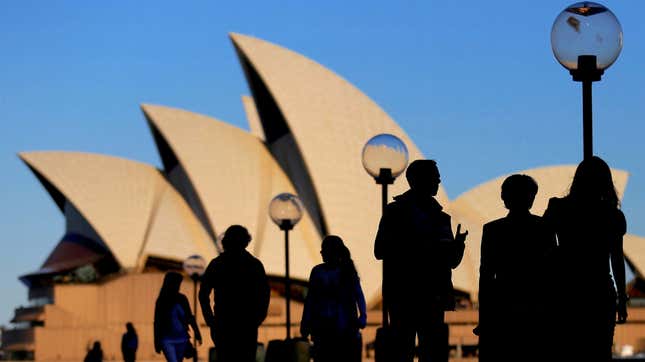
pixel 195 266
pixel 384 158
pixel 586 39
pixel 286 210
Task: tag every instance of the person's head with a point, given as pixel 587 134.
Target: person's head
pixel 129 327
pixel 171 283
pixel 333 250
pixel 236 238
pixel 423 176
pixel 593 182
pixel 518 192
pixel 96 346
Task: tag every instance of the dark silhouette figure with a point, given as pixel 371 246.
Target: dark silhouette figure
pixel 241 296
pixel 172 318
pixel 95 354
pixel 129 343
pixel 416 244
pixel 512 278
pixel 589 227
pixel 335 309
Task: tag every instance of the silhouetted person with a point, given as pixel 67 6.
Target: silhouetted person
pixel 241 298
pixel 172 318
pixel 95 354
pixel 416 244
pixel 334 310
pixel 129 343
pixel 589 228
pixel 514 269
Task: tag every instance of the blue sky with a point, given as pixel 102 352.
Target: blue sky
pixel 474 84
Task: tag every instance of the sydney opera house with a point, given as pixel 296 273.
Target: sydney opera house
pixel 128 222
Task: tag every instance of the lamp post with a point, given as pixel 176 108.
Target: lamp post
pixel 586 39
pixel 286 210
pixel 195 266
pixel 384 158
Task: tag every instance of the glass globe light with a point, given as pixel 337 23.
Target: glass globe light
pixel 194 265
pixel 385 151
pixel 586 28
pixel 286 208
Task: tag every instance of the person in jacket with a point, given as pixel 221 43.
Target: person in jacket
pixel 514 277
pixel 419 251
pixel 334 310
pixel 591 286
pixel 241 298
pixel 172 318
pixel 129 343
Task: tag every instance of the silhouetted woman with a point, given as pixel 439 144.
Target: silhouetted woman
pixel 335 309
pixel 172 318
pixel 589 227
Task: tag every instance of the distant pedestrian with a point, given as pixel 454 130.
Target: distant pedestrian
pixel 95 354
pixel 334 310
pixel 129 343
pixel 172 318
pixel 514 277
pixel 241 295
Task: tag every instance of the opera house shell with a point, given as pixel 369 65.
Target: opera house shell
pixel 128 222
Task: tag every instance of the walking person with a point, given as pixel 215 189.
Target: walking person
pixel 241 298
pixel 419 251
pixel 589 227
pixel 129 343
pixel 172 318
pixel 335 309
pixel 514 277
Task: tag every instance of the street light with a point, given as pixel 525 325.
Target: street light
pixel 586 38
pixel 286 210
pixel 195 266
pixel 384 157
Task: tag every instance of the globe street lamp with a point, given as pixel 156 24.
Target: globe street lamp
pixel 195 266
pixel 384 158
pixel 586 38
pixel 286 210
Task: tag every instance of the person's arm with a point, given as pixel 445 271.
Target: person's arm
pixel 360 302
pixel 190 318
pixel 264 294
pixel 157 328
pixel 618 266
pixel 384 234
pixel 307 313
pixel 486 276
pixel 205 294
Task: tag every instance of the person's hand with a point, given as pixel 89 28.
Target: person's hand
pixel 622 311
pixel 459 236
pixel 304 332
pixel 362 321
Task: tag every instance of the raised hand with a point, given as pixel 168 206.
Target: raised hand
pixel 459 236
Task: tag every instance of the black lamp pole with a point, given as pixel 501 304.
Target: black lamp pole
pixel 195 278
pixel 384 178
pixel 587 73
pixel 286 225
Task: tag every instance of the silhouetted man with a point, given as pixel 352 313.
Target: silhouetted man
pixel 416 244
pixel 129 343
pixel 241 298
pixel 513 275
